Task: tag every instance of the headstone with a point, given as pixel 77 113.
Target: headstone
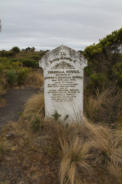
pixel 63 83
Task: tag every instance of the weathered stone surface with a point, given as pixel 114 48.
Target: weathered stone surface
pixel 63 83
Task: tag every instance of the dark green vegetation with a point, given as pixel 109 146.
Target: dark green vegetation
pixel 103 78
pixel 104 63
pixel 16 65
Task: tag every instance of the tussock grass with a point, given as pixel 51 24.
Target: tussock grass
pixel 105 108
pixel 77 153
pixel 34 107
pixel 95 103
pixel 74 156
pixel 91 150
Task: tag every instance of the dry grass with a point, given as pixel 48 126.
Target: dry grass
pixel 95 103
pixel 34 79
pixel 57 153
pixel 74 156
pixel 34 107
pixel 105 108
pixel 91 151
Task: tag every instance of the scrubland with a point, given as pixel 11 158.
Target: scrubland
pixel 19 69
pixel 45 151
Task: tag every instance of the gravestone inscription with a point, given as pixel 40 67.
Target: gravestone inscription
pixel 63 83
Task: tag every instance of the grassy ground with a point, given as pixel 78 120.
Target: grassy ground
pixel 41 151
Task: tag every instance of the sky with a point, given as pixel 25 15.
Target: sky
pixel 46 24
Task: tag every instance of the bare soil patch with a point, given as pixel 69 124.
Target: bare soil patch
pixel 15 100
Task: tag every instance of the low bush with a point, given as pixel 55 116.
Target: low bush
pixel 30 63
pixel 11 77
pixel 104 63
pixel 19 67
pixel 15 50
pixel 36 57
pixel 22 75
pixel 16 76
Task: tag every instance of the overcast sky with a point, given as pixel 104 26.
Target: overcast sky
pixel 46 24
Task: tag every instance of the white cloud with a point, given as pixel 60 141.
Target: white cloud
pixel 48 23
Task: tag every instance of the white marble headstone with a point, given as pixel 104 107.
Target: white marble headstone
pixel 63 83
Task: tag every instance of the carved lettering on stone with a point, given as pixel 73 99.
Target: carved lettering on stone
pixel 63 83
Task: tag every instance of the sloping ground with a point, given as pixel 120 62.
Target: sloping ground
pixel 15 100
pixel 40 151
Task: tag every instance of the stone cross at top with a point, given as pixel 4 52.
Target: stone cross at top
pixel 63 83
pixel 62 52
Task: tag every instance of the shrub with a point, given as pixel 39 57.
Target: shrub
pixel 104 63
pixel 96 81
pixel 13 60
pixel 30 63
pixel 21 75
pixel 36 57
pixel 11 76
pixel 117 72
pixel 15 50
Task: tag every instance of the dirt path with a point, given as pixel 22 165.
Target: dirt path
pixel 15 100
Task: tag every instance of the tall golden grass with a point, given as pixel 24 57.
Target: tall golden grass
pixel 91 150
pixel 34 107
pixel 105 108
